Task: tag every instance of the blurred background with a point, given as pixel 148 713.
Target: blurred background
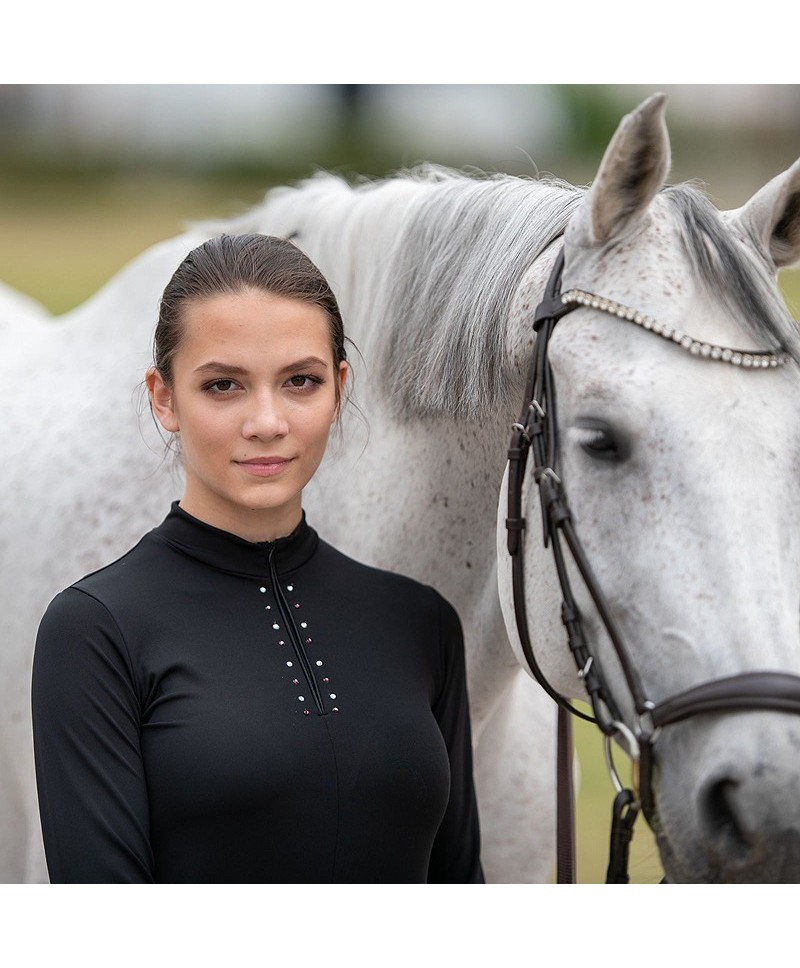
pixel 93 174
pixel 90 175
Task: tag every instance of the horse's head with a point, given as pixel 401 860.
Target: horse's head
pixel 680 470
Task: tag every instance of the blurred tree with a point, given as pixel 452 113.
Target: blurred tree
pixel 351 97
pixel 13 112
pixel 593 113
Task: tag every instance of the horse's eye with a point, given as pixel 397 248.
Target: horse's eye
pixel 597 439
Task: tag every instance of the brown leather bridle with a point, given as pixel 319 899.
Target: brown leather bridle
pixel 537 432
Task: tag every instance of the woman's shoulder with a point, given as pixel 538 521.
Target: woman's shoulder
pixel 341 563
pixel 120 579
pixel 385 586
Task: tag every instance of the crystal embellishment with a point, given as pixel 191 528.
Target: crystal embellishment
pixel 752 359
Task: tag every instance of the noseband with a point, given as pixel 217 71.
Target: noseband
pixel 537 432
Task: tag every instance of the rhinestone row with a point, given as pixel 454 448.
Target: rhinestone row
pixel 748 358
pixel 289 663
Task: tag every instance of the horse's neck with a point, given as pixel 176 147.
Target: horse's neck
pixel 124 311
pixel 18 311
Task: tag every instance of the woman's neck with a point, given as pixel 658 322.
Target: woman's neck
pixel 251 524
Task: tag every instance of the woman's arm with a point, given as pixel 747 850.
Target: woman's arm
pixel 89 773
pixel 455 858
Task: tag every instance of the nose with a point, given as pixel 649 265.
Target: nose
pixel 749 815
pixel 265 417
pixel 728 799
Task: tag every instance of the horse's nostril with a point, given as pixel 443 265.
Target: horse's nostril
pixel 718 808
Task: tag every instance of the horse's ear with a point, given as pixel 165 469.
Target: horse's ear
pixel 772 217
pixel 633 169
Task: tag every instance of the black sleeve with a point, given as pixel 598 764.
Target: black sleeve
pixel 91 785
pixel 455 857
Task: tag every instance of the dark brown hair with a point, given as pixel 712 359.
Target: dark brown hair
pixel 231 264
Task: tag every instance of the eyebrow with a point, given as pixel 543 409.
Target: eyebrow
pixel 216 366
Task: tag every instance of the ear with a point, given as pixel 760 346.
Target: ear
pixel 161 401
pixel 344 370
pixel 772 218
pixel 632 171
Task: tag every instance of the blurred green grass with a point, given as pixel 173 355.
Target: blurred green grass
pixel 594 801
pixel 62 240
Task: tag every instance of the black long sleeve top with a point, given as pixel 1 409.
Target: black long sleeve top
pixel 211 710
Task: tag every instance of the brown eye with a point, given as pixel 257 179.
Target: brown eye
pixel 303 381
pixel 220 387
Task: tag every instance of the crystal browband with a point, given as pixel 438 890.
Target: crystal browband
pixel 751 358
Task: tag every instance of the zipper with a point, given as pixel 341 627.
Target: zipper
pixel 291 628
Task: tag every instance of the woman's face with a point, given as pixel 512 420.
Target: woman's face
pixel 253 396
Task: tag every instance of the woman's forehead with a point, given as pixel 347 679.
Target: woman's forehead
pixel 248 326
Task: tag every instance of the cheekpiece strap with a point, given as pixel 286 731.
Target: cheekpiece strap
pixel 551 307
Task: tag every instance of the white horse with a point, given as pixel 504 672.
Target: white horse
pixel 437 274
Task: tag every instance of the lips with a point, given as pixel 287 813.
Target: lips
pixel 265 460
pixel 264 466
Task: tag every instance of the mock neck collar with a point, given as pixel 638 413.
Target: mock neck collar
pixel 228 552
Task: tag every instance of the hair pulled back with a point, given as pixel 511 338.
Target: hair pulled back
pixel 233 264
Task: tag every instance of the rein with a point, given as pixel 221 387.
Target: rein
pixel 536 433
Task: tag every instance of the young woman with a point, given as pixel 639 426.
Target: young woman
pixel 234 700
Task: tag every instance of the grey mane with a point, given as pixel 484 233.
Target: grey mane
pixel 727 270
pixel 459 262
